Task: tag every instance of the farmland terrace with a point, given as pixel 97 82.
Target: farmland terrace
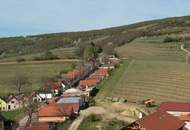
pixel 157 70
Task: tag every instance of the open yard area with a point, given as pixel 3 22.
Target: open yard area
pixel 97 122
pixel 34 71
pixel 155 70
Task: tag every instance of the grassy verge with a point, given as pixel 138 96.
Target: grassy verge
pixel 65 125
pixel 96 122
pixel 13 115
pixel 107 85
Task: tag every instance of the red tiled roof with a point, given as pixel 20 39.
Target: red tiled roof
pixel 160 120
pixel 185 117
pixel 175 106
pixel 55 85
pixel 88 83
pixel 56 110
pixel 102 72
pixel 53 100
pixel 72 74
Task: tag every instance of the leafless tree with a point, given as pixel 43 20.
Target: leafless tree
pixel 30 109
pixel 20 83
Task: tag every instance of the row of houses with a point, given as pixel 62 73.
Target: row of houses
pixel 87 76
pixel 168 116
pixel 64 100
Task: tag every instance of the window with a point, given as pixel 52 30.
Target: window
pixel 12 101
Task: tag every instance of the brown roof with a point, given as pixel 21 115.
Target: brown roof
pixel 56 110
pixel 88 83
pixel 185 117
pixel 102 72
pixel 72 74
pixel 175 106
pixel 158 121
pixel 56 85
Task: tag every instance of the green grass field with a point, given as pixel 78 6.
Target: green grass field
pixel 35 73
pixel 156 70
pixel 13 115
pixel 107 85
pixel 96 122
pixel 152 49
pixel 61 53
pixel 64 126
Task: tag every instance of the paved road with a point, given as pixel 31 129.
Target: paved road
pixel 24 120
pixel 97 110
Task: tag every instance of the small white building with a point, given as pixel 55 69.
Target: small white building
pixel 42 97
pixel 15 102
pixel 74 92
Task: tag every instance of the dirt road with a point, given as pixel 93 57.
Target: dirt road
pixel 97 110
pixel 185 50
pixel 38 62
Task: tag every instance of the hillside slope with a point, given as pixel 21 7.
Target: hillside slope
pixel 19 46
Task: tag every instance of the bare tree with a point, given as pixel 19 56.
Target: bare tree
pixel 30 109
pixel 46 82
pixel 20 83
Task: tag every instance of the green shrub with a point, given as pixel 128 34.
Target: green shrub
pixel 46 56
pixel 172 39
pixel 95 118
pixel 20 60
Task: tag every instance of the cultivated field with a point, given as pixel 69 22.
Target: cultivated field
pixel 157 70
pixel 152 49
pixel 61 53
pixel 34 71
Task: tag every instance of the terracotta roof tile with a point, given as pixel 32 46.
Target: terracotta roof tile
pixel 175 106
pixel 160 121
pixel 88 83
pixel 56 85
pixel 72 74
pixel 185 117
pixel 56 110
pixel 102 72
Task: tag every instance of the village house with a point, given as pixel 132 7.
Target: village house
pixel 109 59
pixel 71 75
pixel 78 102
pixel 3 105
pixel 15 102
pixel 177 109
pixel 57 88
pixel 159 120
pixel 41 96
pixel 88 85
pixel 102 72
pixel 99 74
pixel 73 92
pixel 56 113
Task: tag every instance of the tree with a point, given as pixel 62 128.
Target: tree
pixel 30 109
pixel 46 82
pixel 20 83
pixel 88 53
pixel 109 49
